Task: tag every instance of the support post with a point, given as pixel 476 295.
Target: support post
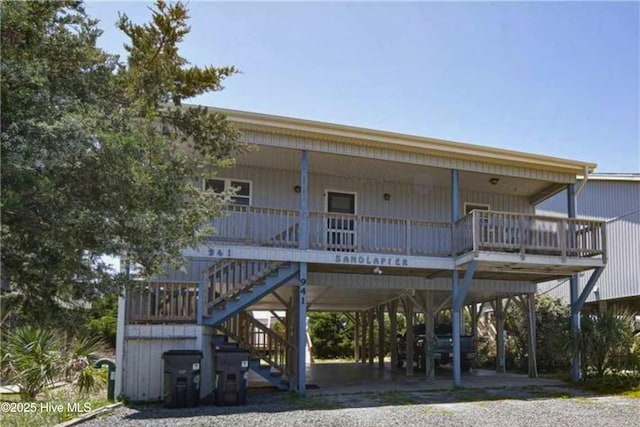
pixel 363 349
pixel 455 313
pixel 455 330
pixel 304 201
pixel 429 333
pixel 531 323
pixel 381 336
pixel 474 321
pixel 455 202
pixel 292 324
pixel 202 300
pixel 573 281
pixel 356 338
pixel 121 329
pixel 500 342
pixel 120 342
pixel 302 330
pixel 372 343
pixel 393 339
pixel 602 306
pixel 459 293
pixel 577 301
pixel 408 313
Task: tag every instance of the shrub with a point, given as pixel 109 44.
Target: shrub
pixel 79 366
pixel 634 355
pixel 552 333
pixel 604 341
pixel 331 334
pixel 32 359
pixel 486 352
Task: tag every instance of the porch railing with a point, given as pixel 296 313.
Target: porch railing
pixel 365 233
pixel 529 234
pixel 162 302
pixel 258 226
pixel 478 231
pixel 331 231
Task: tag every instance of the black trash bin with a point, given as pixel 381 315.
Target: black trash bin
pixel 181 378
pixel 231 370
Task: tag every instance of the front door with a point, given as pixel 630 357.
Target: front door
pixel 341 224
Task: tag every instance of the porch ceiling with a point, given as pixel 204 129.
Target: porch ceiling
pixel 337 299
pixel 359 288
pixel 387 171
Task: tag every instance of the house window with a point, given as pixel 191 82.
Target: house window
pixel 242 189
pixel 341 202
pixel 470 207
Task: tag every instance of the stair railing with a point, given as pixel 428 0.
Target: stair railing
pixel 228 279
pixel 262 342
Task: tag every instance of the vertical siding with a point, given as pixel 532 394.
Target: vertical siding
pixel 143 373
pixel 275 188
pixel 607 200
pixel 194 271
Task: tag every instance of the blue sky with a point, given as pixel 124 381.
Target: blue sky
pixel 560 79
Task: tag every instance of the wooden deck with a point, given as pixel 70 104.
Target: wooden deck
pixel 507 246
pixel 479 231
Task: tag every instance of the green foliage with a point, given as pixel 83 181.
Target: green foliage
pixel 552 334
pixel 103 319
pixel 331 334
pixel 79 369
pixel 615 383
pixel 97 155
pixel 485 352
pixel 32 359
pixel 634 355
pixel 604 341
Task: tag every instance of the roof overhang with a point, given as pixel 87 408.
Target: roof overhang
pixel 401 142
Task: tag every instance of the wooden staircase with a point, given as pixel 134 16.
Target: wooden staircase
pixel 269 351
pixel 233 286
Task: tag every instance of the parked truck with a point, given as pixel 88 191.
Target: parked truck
pixel 442 346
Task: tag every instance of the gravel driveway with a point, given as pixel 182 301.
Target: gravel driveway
pixel 538 407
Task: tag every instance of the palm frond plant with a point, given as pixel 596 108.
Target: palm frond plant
pixel 32 359
pixel 79 370
pixel 603 341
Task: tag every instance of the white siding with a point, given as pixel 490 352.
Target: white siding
pixel 194 271
pixel 144 345
pixel 275 188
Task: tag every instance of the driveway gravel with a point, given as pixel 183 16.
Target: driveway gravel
pixel 529 406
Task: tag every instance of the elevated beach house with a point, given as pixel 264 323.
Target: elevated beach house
pixel 337 218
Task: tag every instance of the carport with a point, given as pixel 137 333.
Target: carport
pixel 371 300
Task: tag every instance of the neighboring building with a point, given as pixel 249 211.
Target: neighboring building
pixel 614 198
pixel 336 218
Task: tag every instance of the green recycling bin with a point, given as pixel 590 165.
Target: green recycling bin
pixel 111 364
pixel 231 370
pixel 181 378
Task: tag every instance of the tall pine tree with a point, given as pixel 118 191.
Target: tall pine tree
pixel 98 155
